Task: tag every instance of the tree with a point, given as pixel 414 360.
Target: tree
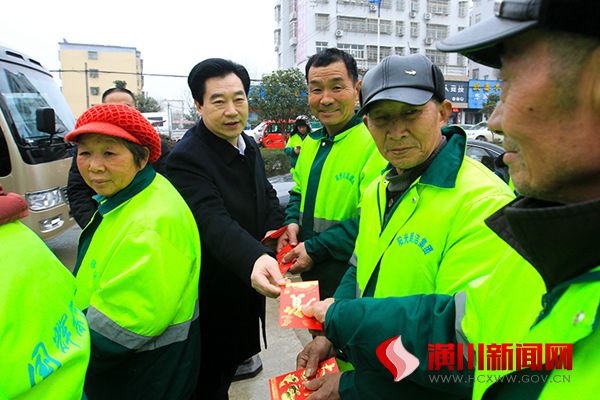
pixel 490 105
pixel 120 84
pixel 145 103
pixel 281 96
pixel 190 112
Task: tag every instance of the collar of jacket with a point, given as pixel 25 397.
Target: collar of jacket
pixel 322 133
pixel 222 147
pixel 443 170
pixel 140 182
pixel 560 241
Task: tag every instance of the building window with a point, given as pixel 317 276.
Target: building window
pixel 277 37
pixel 277 13
pixel 414 50
pixel 399 51
pixel 293 6
pixel 92 55
pixel 93 73
pixel 385 26
pixel 351 24
pixel 437 57
pixel 460 60
pixel 475 73
pixel 414 29
pixel 320 46
pixel 414 6
pixel 440 7
pixel 386 3
pixel 94 90
pixel 322 22
pixel 293 26
pixel 477 18
pixel 384 51
pixel 356 50
pixel 461 28
pixel 463 9
pixel 399 5
pixel 437 31
pixel 399 28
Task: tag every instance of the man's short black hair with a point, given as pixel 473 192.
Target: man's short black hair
pixel 214 68
pixel 117 90
pixel 331 55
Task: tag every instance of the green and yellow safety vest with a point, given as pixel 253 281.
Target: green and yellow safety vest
pixel 137 279
pixel 331 174
pixel 44 338
pixel 434 239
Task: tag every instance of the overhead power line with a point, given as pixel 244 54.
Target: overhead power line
pixel 128 73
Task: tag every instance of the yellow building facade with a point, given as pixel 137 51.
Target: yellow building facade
pixel 87 70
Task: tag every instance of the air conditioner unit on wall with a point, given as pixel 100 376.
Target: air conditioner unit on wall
pixel 293 41
pixel 427 16
pixel 429 40
pixel 339 33
pixel 412 14
pixel 293 15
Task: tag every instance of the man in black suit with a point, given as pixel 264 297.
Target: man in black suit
pixel 220 173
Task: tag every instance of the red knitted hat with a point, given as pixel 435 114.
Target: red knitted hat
pixel 121 121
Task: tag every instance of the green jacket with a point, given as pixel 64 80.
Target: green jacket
pixel 510 307
pixel 331 175
pixel 434 239
pixel 137 278
pixel 44 339
pixel 294 141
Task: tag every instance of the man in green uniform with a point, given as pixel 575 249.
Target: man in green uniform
pixel 406 245
pixel 542 317
pixel 336 164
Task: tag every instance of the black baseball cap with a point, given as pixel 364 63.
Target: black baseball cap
pixel 410 79
pixel 481 41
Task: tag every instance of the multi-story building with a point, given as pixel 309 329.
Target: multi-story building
pixel 357 26
pixel 87 70
pixel 482 9
pixel 401 27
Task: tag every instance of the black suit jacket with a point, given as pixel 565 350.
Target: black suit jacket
pixel 234 205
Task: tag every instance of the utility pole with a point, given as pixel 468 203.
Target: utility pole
pixel 87 88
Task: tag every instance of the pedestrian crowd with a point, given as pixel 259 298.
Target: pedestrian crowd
pixel 437 280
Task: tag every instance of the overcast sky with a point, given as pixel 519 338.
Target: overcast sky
pixel 172 35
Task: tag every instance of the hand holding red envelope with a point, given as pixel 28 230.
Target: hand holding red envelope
pixel 274 234
pixel 294 296
pixel 284 267
pixel 289 386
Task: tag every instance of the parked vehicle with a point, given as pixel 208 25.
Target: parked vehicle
pixel 34 158
pixel 483 152
pixel 481 132
pixel 274 136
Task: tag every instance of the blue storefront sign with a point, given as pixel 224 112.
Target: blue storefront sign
pixel 456 91
pixel 479 90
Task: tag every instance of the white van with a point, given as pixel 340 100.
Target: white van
pixel 34 158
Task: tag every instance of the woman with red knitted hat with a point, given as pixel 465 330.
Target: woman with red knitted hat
pixel 138 263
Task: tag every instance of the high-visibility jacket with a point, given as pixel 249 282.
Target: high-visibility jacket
pixel 294 141
pixel 570 316
pixel 137 278
pixel 44 338
pixel 529 342
pixel 434 239
pixel 331 175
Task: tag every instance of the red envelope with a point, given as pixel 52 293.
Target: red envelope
pixel 293 297
pixel 283 267
pixel 289 386
pixel 275 234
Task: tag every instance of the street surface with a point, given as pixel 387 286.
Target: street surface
pixel 278 358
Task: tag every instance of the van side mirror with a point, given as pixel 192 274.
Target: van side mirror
pixel 45 120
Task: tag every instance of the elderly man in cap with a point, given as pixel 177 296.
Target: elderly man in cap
pixel 541 318
pixel 220 173
pixel 406 245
